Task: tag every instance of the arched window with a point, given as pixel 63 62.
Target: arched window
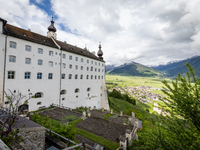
pixel 88 89
pixel 38 95
pixel 76 90
pixel 63 92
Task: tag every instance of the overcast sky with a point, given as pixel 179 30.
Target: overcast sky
pixel 144 31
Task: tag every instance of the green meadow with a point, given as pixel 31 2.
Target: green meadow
pixel 113 80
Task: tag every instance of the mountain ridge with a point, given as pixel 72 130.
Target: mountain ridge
pixel 173 68
pixel 135 69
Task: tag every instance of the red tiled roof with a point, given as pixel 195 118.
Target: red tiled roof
pixel 40 39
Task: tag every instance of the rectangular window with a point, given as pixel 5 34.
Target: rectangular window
pixel 76 76
pixel 76 66
pixel 91 62
pixel 12 59
pixel 87 61
pixel 99 70
pixel 87 68
pixel 102 65
pixel 64 65
pixel 70 57
pixel 102 70
pixel 91 69
pixel 64 56
pixel 76 58
pixel 101 77
pixel 40 62
pixel 87 76
pixel 95 63
pixel 39 75
pixel 28 48
pixel 40 51
pixel 27 75
pixel 91 76
pixel 70 66
pixel 27 61
pixel 70 76
pixel 95 77
pixel 50 76
pixel 11 74
pixel 56 53
pixel 50 64
pixel 81 67
pixel 95 69
pixel 98 77
pixel 50 53
pixel 63 76
pixel 81 59
pixel 81 77
pixel 99 64
pixel 13 44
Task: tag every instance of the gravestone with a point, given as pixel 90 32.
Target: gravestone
pixel 121 113
pixel 111 111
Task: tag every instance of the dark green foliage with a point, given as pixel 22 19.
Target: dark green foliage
pixel 62 129
pixel 147 110
pixel 115 94
pixel 129 99
pixel 180 128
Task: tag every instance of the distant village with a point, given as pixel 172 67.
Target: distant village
pixel 141 93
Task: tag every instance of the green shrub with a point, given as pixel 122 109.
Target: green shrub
pixel 147 110
pixel 115 94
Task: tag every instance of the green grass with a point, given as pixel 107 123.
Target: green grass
pixel 107 115
pixel 140 108
pixel 105 142
pixel 157 92
pixel 134 81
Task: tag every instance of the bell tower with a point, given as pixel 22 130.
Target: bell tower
pixel 52 30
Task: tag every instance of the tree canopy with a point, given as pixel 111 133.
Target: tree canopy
pixel 178 127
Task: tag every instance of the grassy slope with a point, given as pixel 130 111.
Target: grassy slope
pixel 135 81
pixel 121 105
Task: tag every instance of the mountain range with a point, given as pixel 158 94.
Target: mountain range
pixel 134 69
pixel 171 69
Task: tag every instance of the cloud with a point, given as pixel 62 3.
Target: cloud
pixel 146 32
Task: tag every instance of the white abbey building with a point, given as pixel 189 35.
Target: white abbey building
pixel 51 70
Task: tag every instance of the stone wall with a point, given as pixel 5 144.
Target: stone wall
pixel 36 135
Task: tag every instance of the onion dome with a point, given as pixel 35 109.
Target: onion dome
pixel 51 27
pixel 100 52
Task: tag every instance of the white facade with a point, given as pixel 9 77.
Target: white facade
pixel 77 92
